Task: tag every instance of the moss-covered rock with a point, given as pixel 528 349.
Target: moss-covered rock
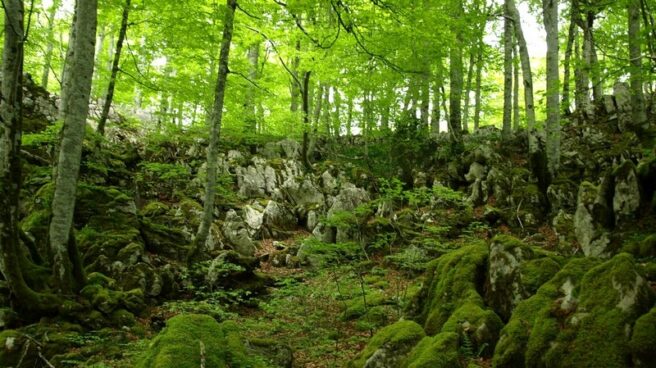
pixel 389 345
pixel 643 340
pixel 516 271
pixel 439 351
pixel 581 317
pixel 194 340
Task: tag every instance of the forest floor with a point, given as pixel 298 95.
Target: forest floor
pixel 324 314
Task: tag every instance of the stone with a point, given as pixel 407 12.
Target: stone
pixel 626 198
pixel 235 232
pixel 277 220
pixel 348 199
pixel 593 238
pixel 622 95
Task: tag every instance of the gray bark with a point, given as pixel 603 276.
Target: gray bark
pixel 215 131
pixel 435 114
pixel 635 54
pixel 516 116
pixel 74 114
pixel 251 107
pixel 550 12
pixel 507 73
pixel 527 75
pixel 479 79
pixel 109 96
pixel 50 37
pixel 571 35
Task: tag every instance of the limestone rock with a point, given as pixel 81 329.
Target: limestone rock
pixel 236 233
pixel 588 226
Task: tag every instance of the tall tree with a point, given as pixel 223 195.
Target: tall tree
pixel 456 76
pixel 216 119
pixel 550 12
pixel 109 96
pixel 527 75
pixel 50 39
pixel 74 111
pixel 507 71
pixel 635 54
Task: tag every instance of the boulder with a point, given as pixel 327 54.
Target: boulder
pixel 581 317
pixel 389 346
pixel 589 228
pixel 194 340
pixel 236 233
pixel 277 220
pixel 626 198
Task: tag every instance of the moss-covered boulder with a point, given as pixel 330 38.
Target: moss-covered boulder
pixel 439 351
pixel 451 300
pixel 643 340
pixel 389 346
pixel 582 317
pixel 194 340
pixel 592 211
pixel 515 272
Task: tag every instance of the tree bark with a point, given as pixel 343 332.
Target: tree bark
pixel 435 114
pixel 507 73
pixel 109 97
pixel 295 88
pixel 571 35
pixel 468 87
pixel 455 96
pixel 550 13
pixel 516 116
pixel 635 54
pixel 74 113
pixel 305 93
pixel 250 105
pixel 479 81
pixel 527 75
pixel 50 34
pixel 215 131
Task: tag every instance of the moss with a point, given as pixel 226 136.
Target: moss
pixel 512 348
pixel 481 325
pixel 397 337
pixel 643 339
pixel 188 337
pixel 452 282
pixel 578 318
pixel 121 318
pixel 97 278
pixel 356 308
pixel 439 351
pixel 153 209
pixel 536 272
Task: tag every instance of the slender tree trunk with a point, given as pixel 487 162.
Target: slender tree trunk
pixel 550 12
pixel 455 96
pixel 26 298
pixel 581 99
pixel 306 119
pixel 74 113
pixel 635 54
pixel 595 72
pixel 527 75
pixel 50 37
pixel 507 72
pixel 336 117
pixel 251 106
pixel 325 115
pixel 349 118
pixel 516 116
pixel 425 99
pixel 435 114
pixel 317 107
pixel 571 35
pixel 479 81
pixel 468 88
pixel 109 97
pixel 295 88
pixel 215 132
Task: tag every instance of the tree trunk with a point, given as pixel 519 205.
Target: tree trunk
pixel 468 87
pixel 455 96
pixel 295 88
pixel 571 35
pixel 215 132
pixel 516 116
pixel 250 105
pixel 639 115
pixel 50 34
pixel 109 97
pixel 74 113
pixel 479 82
pixel 507 73
pixel 10 164
pixel 305 91
pixel 527 75
pixel 435 114
pixel 336 117
pixel 349 118
pixel 550 13
pixel 425 99
pixel 318 105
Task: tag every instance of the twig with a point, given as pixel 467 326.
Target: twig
pixel 517 214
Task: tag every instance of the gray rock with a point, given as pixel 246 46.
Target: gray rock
pixel 623 105
pixel 236 233
pixel 277 220
pixel 588 227
pixel 626 199
pixel 348 199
